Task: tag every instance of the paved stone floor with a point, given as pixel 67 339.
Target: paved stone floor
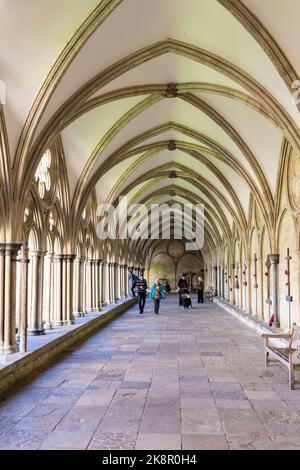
pixel 178 380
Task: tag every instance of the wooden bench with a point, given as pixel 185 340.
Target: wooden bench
pixel 286 355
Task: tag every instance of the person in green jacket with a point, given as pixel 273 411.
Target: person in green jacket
pixel 157 293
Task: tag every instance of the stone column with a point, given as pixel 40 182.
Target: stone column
pixel 24 298
pixel 101 284
pixel 8 260
pixel 106 282
pixel 126 280
pixel 97 307
pixel 48 294
pixel 231 284
pixel 248 290
pixel 220 280
pixel 223 284
pixel 36 306
pixel 64 290
pixel 89 286
pixel 117 281
pixel 216 280
pixel 58 318
pixel 18 297
pixel 94 285
pixel 84 291
pixel 122 281
pixel 78 287
pixel 112 283
pixel 274 259
pixel 68 285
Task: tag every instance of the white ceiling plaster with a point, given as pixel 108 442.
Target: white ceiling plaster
pixel 173 109
pixel 170 68
pixel 33 34
pixel 281 18
pixel 139 23
pixel 83 135
pixel 262 137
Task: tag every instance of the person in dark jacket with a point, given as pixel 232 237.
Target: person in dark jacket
pixel 200 289
pixel 132 279
pixel 141 287
pixel 182 285
pixel 167 287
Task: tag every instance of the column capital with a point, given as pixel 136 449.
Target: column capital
pixel 274 258
pixel 69 257
pixel 57 257
pixel 10 248
pixel 37 253
pixel 79 259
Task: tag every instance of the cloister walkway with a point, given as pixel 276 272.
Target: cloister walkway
pixel 178 380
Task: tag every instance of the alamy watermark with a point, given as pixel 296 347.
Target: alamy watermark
pixel 157 221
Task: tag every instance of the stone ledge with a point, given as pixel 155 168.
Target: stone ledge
pixel 252 322
pixel 23 364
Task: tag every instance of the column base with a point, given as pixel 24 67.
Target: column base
pixel 36 332
pixel 89 310
pixel 57 323
pixel 79 314
pixel 8 350
pixel 68 322
pixel 48 326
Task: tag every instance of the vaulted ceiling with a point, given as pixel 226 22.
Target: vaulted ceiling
pixel 138 89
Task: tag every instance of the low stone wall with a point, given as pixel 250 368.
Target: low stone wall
pixel 16 371
pixel 259 326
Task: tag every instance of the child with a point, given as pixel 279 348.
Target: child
pixel 157 293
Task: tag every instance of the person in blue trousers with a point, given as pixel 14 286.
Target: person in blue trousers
pixel 157 293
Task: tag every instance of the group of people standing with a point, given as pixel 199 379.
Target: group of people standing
pixel 157 291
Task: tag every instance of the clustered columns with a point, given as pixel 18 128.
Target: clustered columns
pixel 67 279
pixel 106 277
pixel 274 259
pixel 240 283
pixel 216 280
pixel 63 284
pixel 113 282
pixel 96 285
pixel 49 291
pixel 35 317
pixel 123 281
pixel 8 273
pixel 78 286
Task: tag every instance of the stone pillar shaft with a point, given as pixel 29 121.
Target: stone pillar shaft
pixel 58 317
pixel 216 280
pixel 49 291
pixel 8 260
pixel 274 259
pixel 36 305
pixel 78 287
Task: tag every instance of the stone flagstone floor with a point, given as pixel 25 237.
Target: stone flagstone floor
pixel 178 380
